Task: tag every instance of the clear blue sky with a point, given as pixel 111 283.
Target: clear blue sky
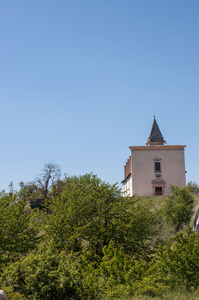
pixel 80 82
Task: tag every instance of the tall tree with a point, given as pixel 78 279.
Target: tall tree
pixel 91 213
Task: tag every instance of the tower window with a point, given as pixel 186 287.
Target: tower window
pixel 157 166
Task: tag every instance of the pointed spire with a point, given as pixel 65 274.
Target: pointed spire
pixel 155 136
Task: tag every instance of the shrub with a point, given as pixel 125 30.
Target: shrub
pixel 178 207
pixel 175 265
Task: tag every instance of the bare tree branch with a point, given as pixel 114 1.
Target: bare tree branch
pixel 50 175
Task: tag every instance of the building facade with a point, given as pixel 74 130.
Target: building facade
pixel 151 169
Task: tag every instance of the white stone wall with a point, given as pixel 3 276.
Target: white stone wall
pixel 172 167
pixel 127 187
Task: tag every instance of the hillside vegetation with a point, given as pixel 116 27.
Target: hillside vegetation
pixel 158 202
pixel 88 242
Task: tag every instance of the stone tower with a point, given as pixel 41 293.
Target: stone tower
pixel 151 169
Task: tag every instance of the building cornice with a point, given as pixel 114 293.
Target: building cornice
pixel 126 178
pixel 158 147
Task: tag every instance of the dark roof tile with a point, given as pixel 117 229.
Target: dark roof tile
pixel 155 134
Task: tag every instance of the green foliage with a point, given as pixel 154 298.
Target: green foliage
pixel 29 192
pixel 40 188
pixel 92 243
pixel 120 273
pixel 17 235
pixel 48 274
pixel 10 295
pixel 178 260
pixel 90 213
pixel 176 264
pixel 52 275
pixel 42 276
pixel 178 207
pixel 192 187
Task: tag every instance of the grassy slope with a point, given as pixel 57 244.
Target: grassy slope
pixel 166 231
pixel 170 295
pixel 159 200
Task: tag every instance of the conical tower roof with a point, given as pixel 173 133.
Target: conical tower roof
pixel 155 136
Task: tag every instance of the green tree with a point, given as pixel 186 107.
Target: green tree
pixel 17 235
pixel 192 187
pixel 29 191
pixel 90 213
pixel 178 207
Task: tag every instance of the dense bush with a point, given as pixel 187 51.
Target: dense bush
pixel 42 275
pixel 175 264
pixel 18 235
pixel 92 243
pixel 48 274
